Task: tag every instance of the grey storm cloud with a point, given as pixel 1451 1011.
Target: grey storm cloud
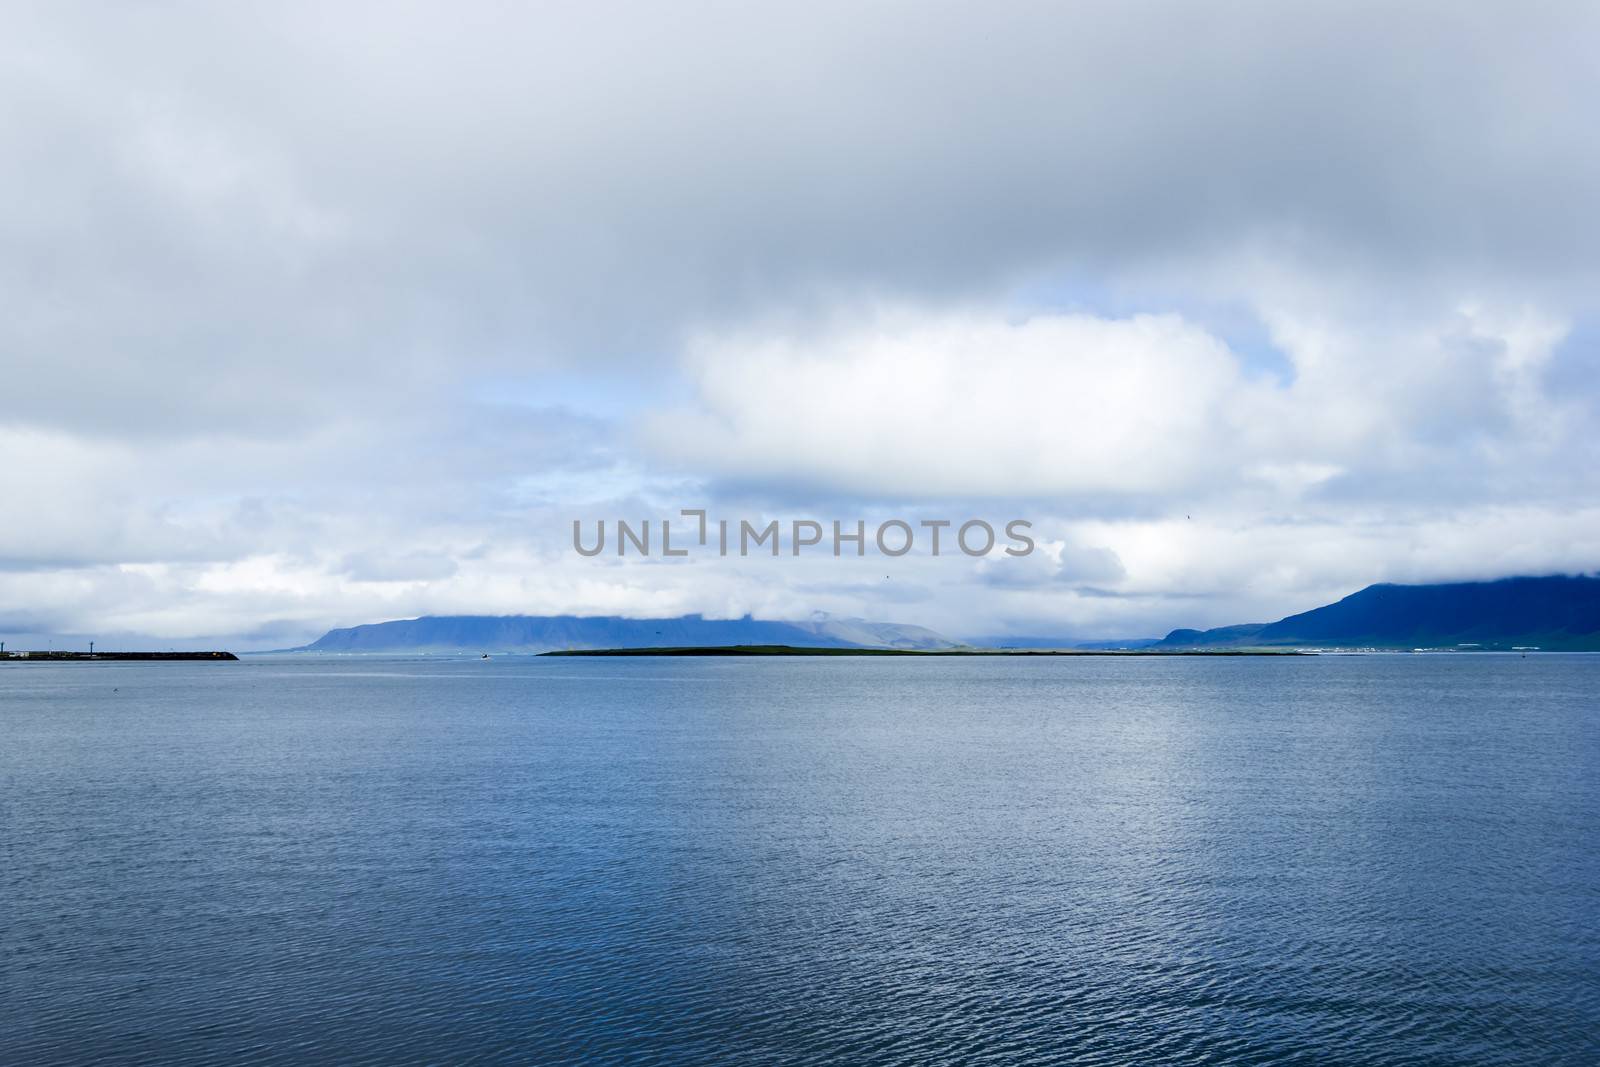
pixel 396 190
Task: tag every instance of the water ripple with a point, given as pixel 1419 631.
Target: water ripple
pixel 1385 860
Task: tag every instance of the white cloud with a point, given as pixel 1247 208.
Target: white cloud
pixel 950 404
pixel 917 404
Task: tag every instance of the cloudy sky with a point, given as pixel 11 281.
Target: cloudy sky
pixel 325 314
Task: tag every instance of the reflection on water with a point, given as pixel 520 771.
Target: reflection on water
pixel 1379 860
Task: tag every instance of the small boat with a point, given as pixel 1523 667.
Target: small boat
pixel 485 655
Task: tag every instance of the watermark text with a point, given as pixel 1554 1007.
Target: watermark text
pixel 695 532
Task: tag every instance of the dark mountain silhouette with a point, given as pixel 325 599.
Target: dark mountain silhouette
pixel 1222 635
pixel 543 633
pixel 1552 613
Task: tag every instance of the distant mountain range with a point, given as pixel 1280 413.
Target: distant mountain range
pixel 545 633
pixel 1553 613
pixel 1059 641
pixel 1556 613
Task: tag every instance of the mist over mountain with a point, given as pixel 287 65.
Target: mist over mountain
pixel 544 633
pixel 1055 641
pixel 1558 613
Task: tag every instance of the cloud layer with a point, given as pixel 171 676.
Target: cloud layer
pixel 318 314
pixel 1147 411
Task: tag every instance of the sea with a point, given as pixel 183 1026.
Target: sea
pixel 1379 859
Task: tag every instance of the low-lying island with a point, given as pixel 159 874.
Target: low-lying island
pixel 56 657
pixel 798 650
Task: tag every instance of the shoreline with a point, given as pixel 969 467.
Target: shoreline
pixel 796 650
pixel 77 657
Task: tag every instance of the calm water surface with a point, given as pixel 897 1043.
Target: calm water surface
pixel 1373 860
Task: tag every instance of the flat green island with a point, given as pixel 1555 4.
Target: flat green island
pixel 796 650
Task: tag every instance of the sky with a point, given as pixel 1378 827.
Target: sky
pixel 317 315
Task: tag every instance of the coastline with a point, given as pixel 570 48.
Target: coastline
pixel 795 650
pixel 84 657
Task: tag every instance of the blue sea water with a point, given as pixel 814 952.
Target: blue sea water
pixel 1331 860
